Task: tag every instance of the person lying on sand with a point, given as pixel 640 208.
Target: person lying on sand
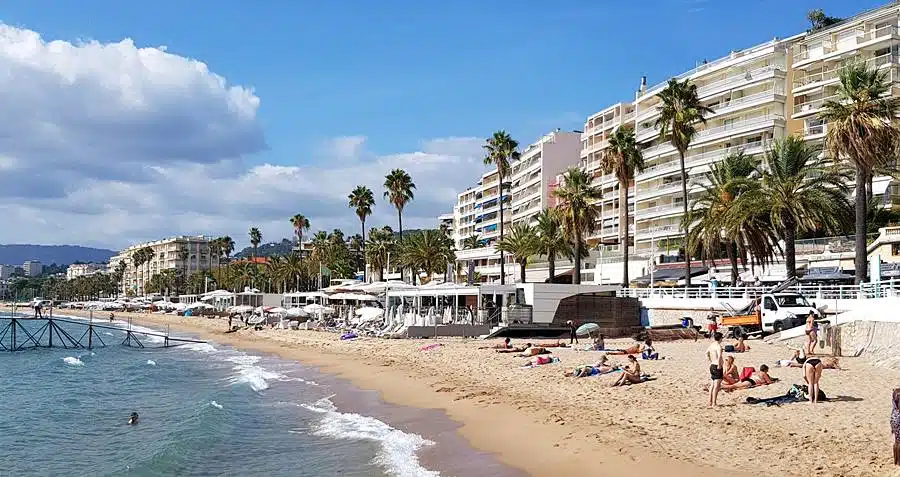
pixel 731 375
pixel 558 344
pixel 631 373
pixel 740 346
pixel 633 349
pixel 517 349
pixel 601 367
pixel 799 358
pixel 540 360
pixel 534 351
pixel 505 345
pixel 760 378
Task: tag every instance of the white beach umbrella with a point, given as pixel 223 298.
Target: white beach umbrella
pixel 277 309
pixel 297 312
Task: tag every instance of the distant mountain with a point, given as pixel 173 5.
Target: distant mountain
pixel 47 254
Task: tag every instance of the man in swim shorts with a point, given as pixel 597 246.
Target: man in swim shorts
pixel 715 355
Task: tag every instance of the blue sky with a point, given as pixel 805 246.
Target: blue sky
pixel 97 133
pixel 398 72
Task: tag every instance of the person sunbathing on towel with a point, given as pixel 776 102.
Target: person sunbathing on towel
pixel 731 375
pixel 602 367
pixel 558 344
pixel 539 360
pixel 631 374
pixel 740 346
pixel 633 349
pixel 799 358
pixel 760 378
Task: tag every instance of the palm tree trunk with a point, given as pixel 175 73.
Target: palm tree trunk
pixel 502 258
pixel 790 257
pixel 869 192
pixel 576 274
pixel 551 263
pixel 860 260
pixel 623 231
pixel 363 247
pixel 522 265
pixel 684 196
pixel 732 257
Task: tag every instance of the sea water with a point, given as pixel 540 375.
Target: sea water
pixel 206 409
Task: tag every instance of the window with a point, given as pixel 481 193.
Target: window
pixel 895 249
pixel 768 303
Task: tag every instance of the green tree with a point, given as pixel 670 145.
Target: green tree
pixel 579 211
pixel 429 251
pixel 552 241
pixel 680 113
pixel 521 243
pixel 819 20
pixel 624 159
pixel 399 189
pixel 300 224
pixel 362 200
pixel 500 150
pixel 862 129
pixel 255 239
pixel 471 242
pixel 379 246
pixel 801 192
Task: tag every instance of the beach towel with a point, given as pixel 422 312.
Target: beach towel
pixel 348 336
pixel 541 360
pixel 797 393
pixel 430 346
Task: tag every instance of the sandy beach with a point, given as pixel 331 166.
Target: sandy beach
pixel 546 424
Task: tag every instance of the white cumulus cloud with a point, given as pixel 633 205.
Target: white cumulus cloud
pixel 109 144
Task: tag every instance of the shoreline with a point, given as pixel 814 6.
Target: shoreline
pixel 543 424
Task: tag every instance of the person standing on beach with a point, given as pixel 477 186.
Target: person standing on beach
pixel 573 335
pixel 895 425
pixel 715 355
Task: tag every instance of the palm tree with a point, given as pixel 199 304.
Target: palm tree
pixel 147 256
pixel 362 200
pixel 300 223
pixel 801 192
pixel 399 191
pixel 862 129
pixel 579 211
pixel 680 112
pixel 255 239
pixel 428 251
pixel 623 158
pixel 718 219
pixel 378 249
pixel 470 242
pixel 551 239
pixel 500 150
pixel 521 243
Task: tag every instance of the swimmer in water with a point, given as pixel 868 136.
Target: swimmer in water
pixel 133 419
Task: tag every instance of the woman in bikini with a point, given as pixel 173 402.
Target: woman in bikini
pixel 602 367
pixel 631 374
pixel 812 373
pixel 812 333
pixel 759 378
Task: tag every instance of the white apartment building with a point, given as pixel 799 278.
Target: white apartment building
pixel 84 269
pixel 32 268
pixel 186 254
pixel 526 193
pixel 6 271
pixel 757 94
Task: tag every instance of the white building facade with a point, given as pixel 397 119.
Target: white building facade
pixel 84 269
pixel 185 254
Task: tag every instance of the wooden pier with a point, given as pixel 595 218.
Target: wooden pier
pixel 18 333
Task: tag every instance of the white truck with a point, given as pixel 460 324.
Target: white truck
pixel 770 313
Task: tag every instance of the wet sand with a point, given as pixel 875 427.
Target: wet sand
pixel 546 424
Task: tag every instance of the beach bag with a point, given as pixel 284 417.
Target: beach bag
pixel 729 348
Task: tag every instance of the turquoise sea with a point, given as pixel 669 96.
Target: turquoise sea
pixel 207 409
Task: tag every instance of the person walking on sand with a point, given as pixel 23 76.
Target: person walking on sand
pixel 715 355
pixel 573 335
pixel 812 373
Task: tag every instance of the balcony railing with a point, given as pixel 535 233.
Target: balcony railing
pixel 881 32
pixel 666 189
pixel 704 156
pixel 835 73
pixel 663 230
pixel 812 106
pixel 735 102
pixel 740 78
pixel 815 130
pixel 737 125
pixel 660 208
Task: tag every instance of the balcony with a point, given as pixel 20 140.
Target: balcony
pixel 653 232
pixel 831 47
pixel 657 191
pixel 737 103
pixel 811 107
pixel 833 74
pixel 660 209
pixel 728 129
pixel 746 77
pixel 816 131
pixel 696 159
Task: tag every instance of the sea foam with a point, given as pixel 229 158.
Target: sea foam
pixel 73 361
pixel 398 450
pixel 249 373
pixel 151 362
pixel 215 405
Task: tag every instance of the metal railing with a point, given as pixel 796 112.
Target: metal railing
pixel 751 75
pixel 834 73
pixel 738 124
pixel 694 159
pixel 883 289
pixel 659 208
pixel 814 105
pixel 815 130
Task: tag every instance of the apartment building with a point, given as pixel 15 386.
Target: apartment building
pixel 185 254
pixel 525 194
pixel 758 94
pixel 84 269
pixel 32 268
pixel 6 271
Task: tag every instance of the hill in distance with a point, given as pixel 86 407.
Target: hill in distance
pixel 285 247
pixel 16 254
